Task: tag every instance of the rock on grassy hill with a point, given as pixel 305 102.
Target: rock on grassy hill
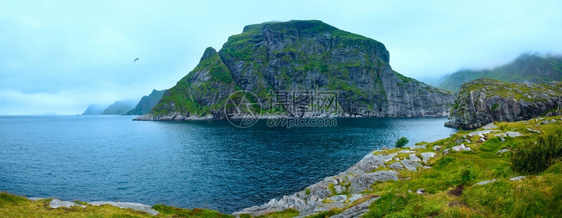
pixel 483 101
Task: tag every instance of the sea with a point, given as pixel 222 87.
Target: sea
pixel 191 164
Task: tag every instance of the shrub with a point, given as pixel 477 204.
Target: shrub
pixel 535 157
pixel 401 142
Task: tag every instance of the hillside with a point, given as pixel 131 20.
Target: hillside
pixel 527 68
pixel 300 57
pixel 147 103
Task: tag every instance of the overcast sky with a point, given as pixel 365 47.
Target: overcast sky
pixel 61 56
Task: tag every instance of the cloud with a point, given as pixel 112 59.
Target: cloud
pixel 64 55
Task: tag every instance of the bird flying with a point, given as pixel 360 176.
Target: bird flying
pixel 136 59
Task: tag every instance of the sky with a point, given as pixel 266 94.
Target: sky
pixel 61 56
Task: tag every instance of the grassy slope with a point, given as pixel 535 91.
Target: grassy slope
pixel 533 196
pixel 15 206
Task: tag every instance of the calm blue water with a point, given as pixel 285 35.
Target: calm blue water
pixel 205 164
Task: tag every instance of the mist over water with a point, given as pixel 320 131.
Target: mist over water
pixel 204 164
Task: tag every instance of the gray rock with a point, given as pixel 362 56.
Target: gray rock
pixel 396 166
pixel 427 155
pixel 513 134
pixel 415 158
pixel 411 165
pixel 364 181
pixel 502 151
pixel 481 133
pixel 534 130
pixel 357 210
pixel 420 191
pixel 355 197
pixel 56 203
pixel 417 147
pixel 369 163
pixel 134 206
pixel 460 147
pixel 490 126
pixel 502 139
pixel 338 189
pixel 406 151
pixel 517 178
pixel 338 198
pixel 35 198
pixel 446 151
pixel 437 148
pixel 486 182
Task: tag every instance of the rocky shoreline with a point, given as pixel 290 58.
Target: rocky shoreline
pixel 345 190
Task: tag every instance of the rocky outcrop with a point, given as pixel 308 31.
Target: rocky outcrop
pixel 342 190
pixel 301 56
pixel 484 101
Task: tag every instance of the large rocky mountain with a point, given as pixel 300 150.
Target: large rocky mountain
pixel 527 68
pixel 300 56
pixel 483 101
pixel 147 103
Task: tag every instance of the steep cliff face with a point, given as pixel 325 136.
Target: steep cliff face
pixel 147 103
pixel 483 101
pixel 301 56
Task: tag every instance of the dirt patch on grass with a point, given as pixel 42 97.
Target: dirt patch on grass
pixel 457 191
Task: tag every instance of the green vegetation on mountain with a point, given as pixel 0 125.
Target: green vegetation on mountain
pixel 300 56
pixel 527 68
pixel 147 103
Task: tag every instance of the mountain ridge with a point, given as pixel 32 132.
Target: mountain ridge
pixel 527 68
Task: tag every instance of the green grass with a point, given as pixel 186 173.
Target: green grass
pixel 16 206
pixel 531 197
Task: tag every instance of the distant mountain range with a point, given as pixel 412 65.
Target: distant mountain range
pixel 119 107
pixel 147 103
pixel 127 107
pixel 527 68
pixel 95 109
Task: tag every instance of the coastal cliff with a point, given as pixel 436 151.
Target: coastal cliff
pixel 483 101
pixel 300 56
